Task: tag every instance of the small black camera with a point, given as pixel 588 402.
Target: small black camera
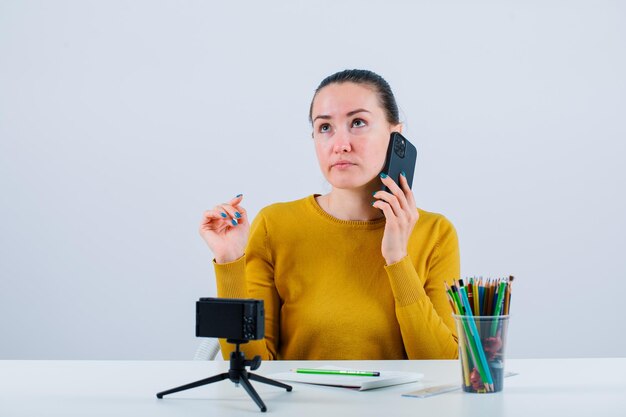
pixel 238 321
pixel 230 318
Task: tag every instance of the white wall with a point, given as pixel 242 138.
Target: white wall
pixel 121 121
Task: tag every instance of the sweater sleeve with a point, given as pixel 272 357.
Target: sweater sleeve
pixel 252 276
pixel 422 308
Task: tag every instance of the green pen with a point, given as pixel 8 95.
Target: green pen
pixel 335 372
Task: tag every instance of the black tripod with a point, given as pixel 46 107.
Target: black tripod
pixel 238 374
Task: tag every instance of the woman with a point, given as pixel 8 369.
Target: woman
pixel 357 273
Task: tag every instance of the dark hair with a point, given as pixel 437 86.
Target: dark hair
pixel 369 78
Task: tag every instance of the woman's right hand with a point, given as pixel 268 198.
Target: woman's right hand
pixel 225 229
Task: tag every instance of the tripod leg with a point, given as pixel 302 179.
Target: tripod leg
pixel 264 380
pixel 243 380
pixel 219 377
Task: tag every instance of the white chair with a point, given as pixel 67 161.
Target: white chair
pixel 207 350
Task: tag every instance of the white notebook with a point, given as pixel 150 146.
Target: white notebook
pixel 362 383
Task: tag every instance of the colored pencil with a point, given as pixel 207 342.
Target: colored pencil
pixel 474 337
pixel 476 297
pixel 499 303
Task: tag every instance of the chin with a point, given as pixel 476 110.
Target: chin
pixel 347 184
pixel 351 180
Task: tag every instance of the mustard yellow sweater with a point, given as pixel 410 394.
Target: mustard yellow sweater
pixel 329 295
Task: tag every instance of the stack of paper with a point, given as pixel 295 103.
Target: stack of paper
pixel 362 383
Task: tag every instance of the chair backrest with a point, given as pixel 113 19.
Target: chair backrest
pixel 208 350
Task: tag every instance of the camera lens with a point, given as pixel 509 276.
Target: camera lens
pixel 399 147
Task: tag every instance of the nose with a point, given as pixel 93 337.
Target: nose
pixel 342 142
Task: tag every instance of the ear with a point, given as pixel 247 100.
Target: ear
pixel 397 128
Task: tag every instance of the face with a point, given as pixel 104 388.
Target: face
pixel 351 134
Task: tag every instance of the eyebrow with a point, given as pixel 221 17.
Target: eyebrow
pixel 350 113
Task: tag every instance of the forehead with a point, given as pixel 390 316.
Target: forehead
pixel 338 99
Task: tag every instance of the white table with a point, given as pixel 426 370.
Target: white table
pixel 544 387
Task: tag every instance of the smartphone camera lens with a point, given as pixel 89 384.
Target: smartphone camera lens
pixel 399 147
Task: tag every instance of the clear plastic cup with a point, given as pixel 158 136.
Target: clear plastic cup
pixel 482 343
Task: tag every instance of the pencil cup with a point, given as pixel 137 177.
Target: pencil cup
pixel 482 342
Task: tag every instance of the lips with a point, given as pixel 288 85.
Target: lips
pixel 342 164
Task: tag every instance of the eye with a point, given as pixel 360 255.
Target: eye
pixel 358 123
pixel 324 128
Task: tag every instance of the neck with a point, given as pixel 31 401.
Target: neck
pixel 353 204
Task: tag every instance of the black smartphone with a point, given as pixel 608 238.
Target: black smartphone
pixel 401 157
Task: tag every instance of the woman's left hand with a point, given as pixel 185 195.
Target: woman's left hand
pixel 401 216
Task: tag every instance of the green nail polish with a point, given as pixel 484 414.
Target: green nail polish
pixel 383 175
pixel 223 214
pixel 403 174
pixel 374 193
pixel 373 202
pixel 238 195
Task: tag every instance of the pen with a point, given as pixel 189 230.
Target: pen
pixel 335 372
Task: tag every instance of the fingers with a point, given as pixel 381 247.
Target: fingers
pixel 236 200
pixel 401 215
pixel 241 214
pixel 410 199
pixel 396 198
pixel 213 220
pixel 400 201
pixel 385 208
pixel 236 212
pixel 228 214
pixel 386 200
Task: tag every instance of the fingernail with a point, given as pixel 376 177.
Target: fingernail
pixel 383 175
pixel 234 222
pixel 238 195
pixel 403 174
pixel 237 215
pixel 373 202
pixel 374 193
pixel 223 214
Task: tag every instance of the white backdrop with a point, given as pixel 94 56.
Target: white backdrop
pixel 121 121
